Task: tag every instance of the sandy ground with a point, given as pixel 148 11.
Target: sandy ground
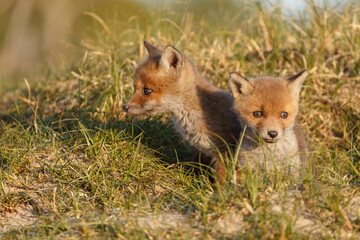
pixel 306 222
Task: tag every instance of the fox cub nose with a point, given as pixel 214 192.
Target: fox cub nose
pixel 272 133
pixel 125 108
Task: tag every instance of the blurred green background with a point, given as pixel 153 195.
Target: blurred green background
pixel 34 31
pixel 38 35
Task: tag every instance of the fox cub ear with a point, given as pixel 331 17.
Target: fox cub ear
pixel 239 85
pixel 295 82
pixel 152 50
pixel 171 58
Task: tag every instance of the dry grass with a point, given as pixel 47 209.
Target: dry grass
pixel 77 167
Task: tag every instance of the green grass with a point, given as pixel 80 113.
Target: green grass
pixel 74 166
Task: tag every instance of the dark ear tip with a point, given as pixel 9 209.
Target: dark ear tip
pixel 232 75
pixel 302 71
pixel 172 48
pixel 236 74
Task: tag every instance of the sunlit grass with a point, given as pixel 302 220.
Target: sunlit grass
pixel 68 152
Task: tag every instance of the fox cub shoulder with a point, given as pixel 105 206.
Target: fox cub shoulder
pixel 267 108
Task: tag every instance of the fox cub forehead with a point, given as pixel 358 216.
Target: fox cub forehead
pixel 269 95
pixel 147 71
pixel 272 95
pixel 266 91
pixel 150 75
pixel 271 89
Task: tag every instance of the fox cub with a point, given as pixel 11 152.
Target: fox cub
pixel 268 107
pixel 203 114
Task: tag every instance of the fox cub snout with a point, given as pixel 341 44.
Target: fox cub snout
pixel 268 107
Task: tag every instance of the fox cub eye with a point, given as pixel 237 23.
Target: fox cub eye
pixel 284 115
pixel 258 114
pixel 147 91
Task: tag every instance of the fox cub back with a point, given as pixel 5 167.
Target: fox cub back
pixel 268 107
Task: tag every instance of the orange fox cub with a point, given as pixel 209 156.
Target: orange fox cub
pixel 268 107
pixel 203 114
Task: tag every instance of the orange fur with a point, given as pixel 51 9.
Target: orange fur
pixel 202 113
pixel 268 108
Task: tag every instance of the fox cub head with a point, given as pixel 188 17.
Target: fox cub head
pixel 156 84
pixel 267 105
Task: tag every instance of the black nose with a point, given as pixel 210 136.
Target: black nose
pixel 125 108
pixel 272 133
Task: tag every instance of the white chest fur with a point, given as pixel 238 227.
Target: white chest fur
pixel 188 123
pixel 280 155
